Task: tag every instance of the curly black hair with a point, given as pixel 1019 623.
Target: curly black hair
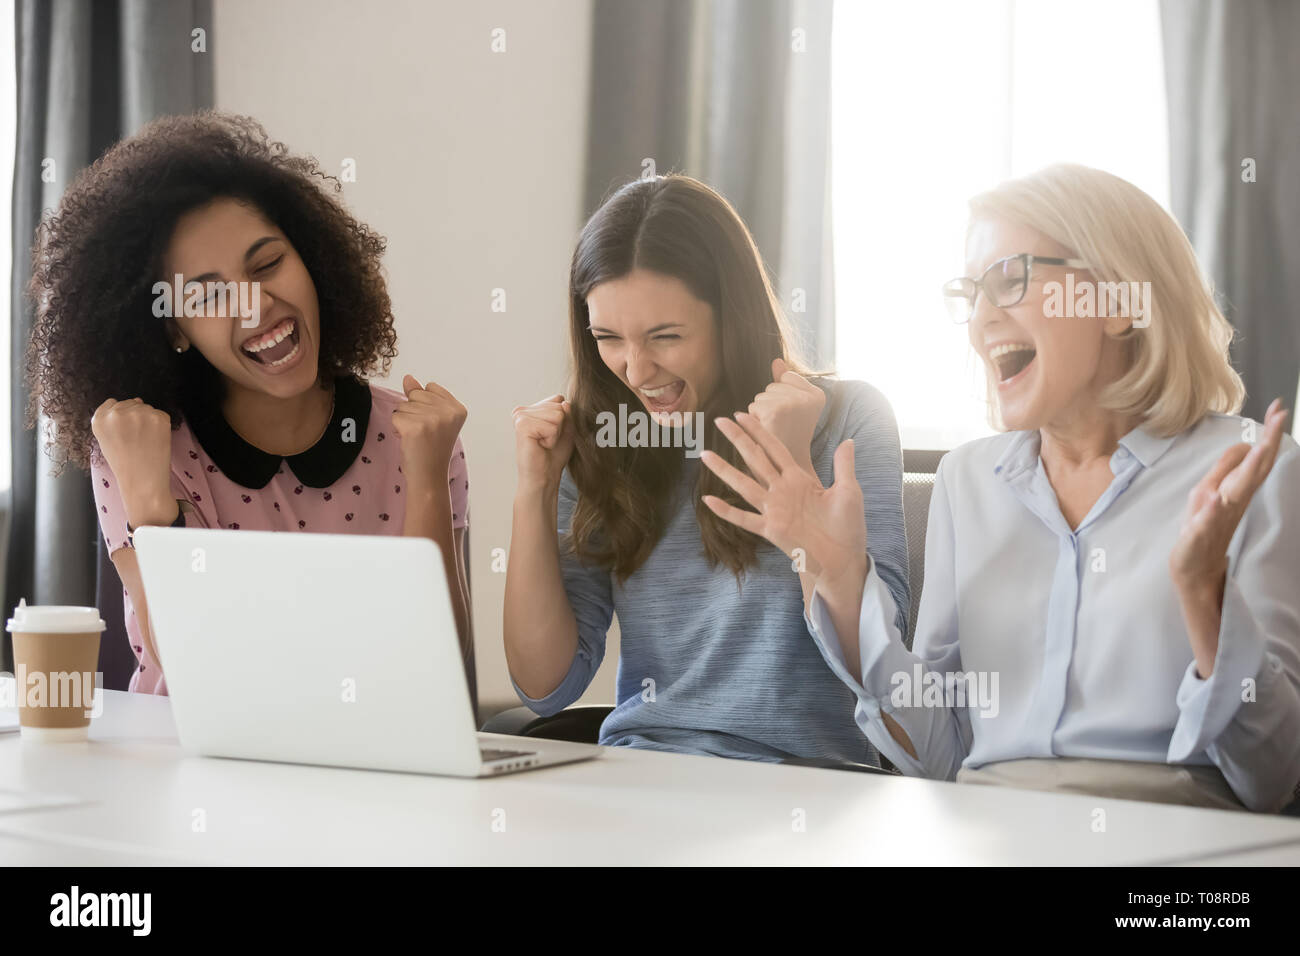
pixel 97 257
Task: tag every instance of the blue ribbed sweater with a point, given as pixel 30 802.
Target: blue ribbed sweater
pixel 709 668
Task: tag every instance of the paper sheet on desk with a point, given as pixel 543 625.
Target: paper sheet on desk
pixel 8 715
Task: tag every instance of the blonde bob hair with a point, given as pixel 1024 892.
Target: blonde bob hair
pixel 1178 367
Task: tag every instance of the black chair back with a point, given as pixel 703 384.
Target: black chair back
pixel 919 468
pixel 116 659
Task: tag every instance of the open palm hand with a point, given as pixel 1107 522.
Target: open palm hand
pixel 823 526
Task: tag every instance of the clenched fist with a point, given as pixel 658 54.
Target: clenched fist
pixel 789 409
pixel 427 424
pixel 543 443
pixel 136 442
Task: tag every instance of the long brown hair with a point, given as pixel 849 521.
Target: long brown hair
pixel 675 226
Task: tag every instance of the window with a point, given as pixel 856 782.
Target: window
pixel 935 102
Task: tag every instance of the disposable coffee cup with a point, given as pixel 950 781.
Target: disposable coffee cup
pixel 56 653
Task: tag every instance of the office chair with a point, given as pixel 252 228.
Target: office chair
pixel 116 659
pixel 919 469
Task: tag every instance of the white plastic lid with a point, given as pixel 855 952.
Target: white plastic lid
pixel 54 619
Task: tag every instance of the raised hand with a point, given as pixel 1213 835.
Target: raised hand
pixel 427 423
pixel 791 508
pixel 1198 563
pixel 543 443
pixel 136 442
pixel 1216 504
pixel 789 409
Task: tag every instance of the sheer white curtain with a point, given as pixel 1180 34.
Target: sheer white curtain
pixel 935 101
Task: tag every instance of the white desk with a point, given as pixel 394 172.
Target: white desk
pixel 137 796
pixel 1288 855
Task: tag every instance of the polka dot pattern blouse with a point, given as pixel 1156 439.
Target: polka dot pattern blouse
pixel 350 482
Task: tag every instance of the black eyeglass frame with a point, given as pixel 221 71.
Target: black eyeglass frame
pixel 977 285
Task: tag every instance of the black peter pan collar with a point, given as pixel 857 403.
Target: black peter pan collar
pixel 318 467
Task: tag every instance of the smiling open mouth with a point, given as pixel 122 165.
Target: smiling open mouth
pixel 1012 359
pixel 663 398
pixel 276 347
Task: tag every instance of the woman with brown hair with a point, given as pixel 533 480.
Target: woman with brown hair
pixel 673 322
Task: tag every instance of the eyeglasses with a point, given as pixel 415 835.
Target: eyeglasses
pixel 1003 283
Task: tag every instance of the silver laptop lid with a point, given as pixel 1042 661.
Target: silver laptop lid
pixel 309 648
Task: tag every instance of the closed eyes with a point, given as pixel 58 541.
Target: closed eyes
pixel 655 338
pixel 269 266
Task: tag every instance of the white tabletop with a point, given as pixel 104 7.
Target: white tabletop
pixel 1287 855
pixel 137 799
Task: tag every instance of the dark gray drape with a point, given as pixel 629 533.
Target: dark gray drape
pixel 717 89
pixel 1233 76
pixel 88 73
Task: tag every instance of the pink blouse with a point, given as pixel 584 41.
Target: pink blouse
pixel 349 482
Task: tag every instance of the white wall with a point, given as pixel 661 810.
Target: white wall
pixel 470 162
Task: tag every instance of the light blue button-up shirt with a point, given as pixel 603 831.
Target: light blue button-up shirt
pixel 1034 639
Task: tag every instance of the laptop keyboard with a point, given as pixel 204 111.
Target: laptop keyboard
pixel 489 753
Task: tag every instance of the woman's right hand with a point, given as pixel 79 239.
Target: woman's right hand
pixel 543 443
pixel 539 630
pixel 136 442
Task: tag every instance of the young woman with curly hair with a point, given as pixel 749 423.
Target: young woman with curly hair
pixel 247 410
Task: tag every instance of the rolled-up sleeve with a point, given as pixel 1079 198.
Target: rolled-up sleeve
pixel 1246 715
pixel 590 596
pixel 940 735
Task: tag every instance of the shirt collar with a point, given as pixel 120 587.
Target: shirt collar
pixel 318 467
pixel 1021 454
pixel 1145 445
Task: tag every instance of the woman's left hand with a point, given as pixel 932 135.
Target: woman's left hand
pixel 1198 563
pixel 427 423
pixel 790 408
pixel 792 509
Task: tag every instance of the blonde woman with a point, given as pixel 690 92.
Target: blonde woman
pixel 1110 601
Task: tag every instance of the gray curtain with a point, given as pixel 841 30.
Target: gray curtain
pixel 88 72
pixel 735 93
pixel 1233 78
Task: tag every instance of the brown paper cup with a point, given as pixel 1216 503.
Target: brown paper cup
pixel 56 652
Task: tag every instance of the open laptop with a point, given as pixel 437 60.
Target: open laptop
pixel 320 649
